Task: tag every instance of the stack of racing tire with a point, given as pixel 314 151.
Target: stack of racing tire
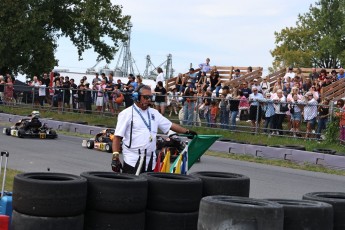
pixel 173 201
pixel 50 201
pixel 115 201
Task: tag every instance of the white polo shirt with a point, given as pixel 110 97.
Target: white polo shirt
pixel 142 137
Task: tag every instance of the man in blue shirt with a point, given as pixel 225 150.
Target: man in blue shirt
pixel 193 77
pixel 255 109
pixel 341 74
pixel 205 67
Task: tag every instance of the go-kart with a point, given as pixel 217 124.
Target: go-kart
pixel 30 127
pixel 102 141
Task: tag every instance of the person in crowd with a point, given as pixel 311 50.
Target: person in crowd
pixel 224 107
pixel 255 110
pixel 111 78
pixel 214 112
pixel 136 132
pixel 299 75
pixel 341 74
pixel 100 88
pixel 287 88
pixel 66 85
pixel 46 82
pixel 160 76
pixel 334 76
pixel 244 106
pixel 234 104
pixel 323 75
pixel 289 99
pixel 41 92
pixel 35 84
pixel 249 69
pixel 119 84
pixel 245 89
pixel 265 85
pixel 295 112
pixel 279 116
pixel 74 89
pixel 215 81
pixel 178 83
pixel 268 111
pixel 257 85
pixel 322 118
pixel 193 77
pixel 315 92
pixel 341 114
pixel 9 97
pixel 85 80
pixel 109 92
pixel 279 83
pixel 205 67
pixel 88 98
pixel 313 75
pixel 310 113
pixel 95 80
pixel 81 97
pixel 189 104
pixel 289 74
pixel 160 101
pixel 58 95
pixel 206 107
pixel 327 81
pixel 202 81
pixel 118 99
pixel 2 89
pixel 307 84
pixel 237 74
pixel 174 101
pixel 139 81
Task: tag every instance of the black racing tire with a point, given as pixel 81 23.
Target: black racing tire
pixel 173 192
pixel 49 194
pixel 231 212
pixel 8 131
pixel 90 144
pixel 26 222
pixel 115 192
pixel 109 147
pixel 337 200
pixel 223 183
pixel 156 220
pixel 21 133
pixel 53 134
pixel 306 214
pixel 297 147
pixel 325 151
pixel 95 220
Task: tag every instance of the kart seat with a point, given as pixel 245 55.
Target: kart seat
pixel 34 123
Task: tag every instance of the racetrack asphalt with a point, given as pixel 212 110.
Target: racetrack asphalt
pixel 65 154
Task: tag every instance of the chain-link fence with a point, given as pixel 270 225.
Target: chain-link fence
pixel 304 118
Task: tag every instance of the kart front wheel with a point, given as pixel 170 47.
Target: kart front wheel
pixel 8 131
pixel 109 148
pixel 90 144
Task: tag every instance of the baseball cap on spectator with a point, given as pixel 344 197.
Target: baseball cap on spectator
pixel 290 68
pixel 309 94
pixel 225 87
pixel 237 70
pixel 263 78
pixel 268 94
pixel 255 79
pixel 254 88
pixel 191 69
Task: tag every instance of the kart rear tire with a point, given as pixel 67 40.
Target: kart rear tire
pixel 22 221
pixel 223 183
pixel 53 134
pixel 231 212
pixel 115 192
pixel 21 133
pixel 173 192
pixel 49 194
pixel 90 144
pixel 8 131
pixel 109 147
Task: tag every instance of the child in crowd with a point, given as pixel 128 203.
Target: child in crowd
pixel 173 100
pixel 214 110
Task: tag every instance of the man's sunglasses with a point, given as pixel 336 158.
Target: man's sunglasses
pixel 146 97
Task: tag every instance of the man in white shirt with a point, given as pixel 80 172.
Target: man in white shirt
pixel 310 112
pixel 137 128
pixel 290 74
pixel 160 76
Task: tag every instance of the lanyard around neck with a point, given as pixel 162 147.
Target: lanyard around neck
pixel 148 125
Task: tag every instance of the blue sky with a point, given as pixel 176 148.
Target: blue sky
pixel 230 33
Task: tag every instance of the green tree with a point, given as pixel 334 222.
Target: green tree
pixel 30 30
pixel 318 39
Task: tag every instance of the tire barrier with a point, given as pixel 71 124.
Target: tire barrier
pixel 115 192
pixel 223 183
pixel 49 194
pixel 26 222
pixel 231 212
pixel 337 200
pixel 173 197
pixel 305 214
pixel 115 201
pixel 325 151
pixel 96 220
pixel 297 147
pixel 49 201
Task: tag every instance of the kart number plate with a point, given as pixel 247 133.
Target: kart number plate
pixel 43 135
pixel 101 146
pixel 14 133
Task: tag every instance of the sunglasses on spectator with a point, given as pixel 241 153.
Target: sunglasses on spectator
pixel 146 97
